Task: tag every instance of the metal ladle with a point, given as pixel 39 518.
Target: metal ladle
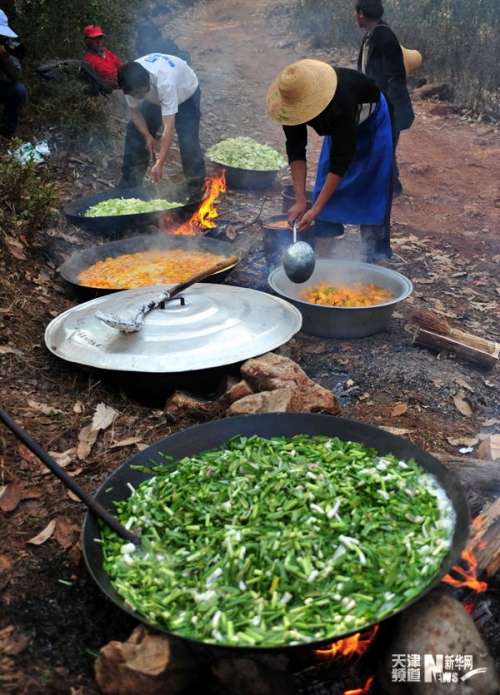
pixel 299 259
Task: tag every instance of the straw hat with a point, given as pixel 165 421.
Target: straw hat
pixel 412 59
pixel 301 92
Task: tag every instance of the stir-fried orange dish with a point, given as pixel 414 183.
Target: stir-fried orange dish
pixel 353 296
pixel 147 268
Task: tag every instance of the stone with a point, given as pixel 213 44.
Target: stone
pixel 271 372
pixel 439 625
pixel 277 401
pixel 236 390
pixel 146 663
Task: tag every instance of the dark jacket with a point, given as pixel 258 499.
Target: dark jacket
pixel 338 120
pixel 386 68
pixel 10 62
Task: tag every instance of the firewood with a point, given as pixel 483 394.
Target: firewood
pixel 455 344
pixel 436 333
pixel 482 477
pixel 485 542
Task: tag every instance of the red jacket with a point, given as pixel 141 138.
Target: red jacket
pixel 105 65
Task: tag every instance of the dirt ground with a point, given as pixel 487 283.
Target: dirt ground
pixel 445 236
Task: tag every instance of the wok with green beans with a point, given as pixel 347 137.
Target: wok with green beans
pixel 275 531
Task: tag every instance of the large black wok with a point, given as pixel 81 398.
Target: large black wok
pixel 213 434
pixel 111 225
pixel 81 260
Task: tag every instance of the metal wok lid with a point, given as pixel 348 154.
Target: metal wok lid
pixel 218 325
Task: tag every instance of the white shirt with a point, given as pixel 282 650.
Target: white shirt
pixel 172 82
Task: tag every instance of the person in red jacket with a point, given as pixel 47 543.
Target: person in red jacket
pixel 103 62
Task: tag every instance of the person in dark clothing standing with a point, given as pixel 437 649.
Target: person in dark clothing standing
pixel 150 38
pixel 13 93
pixel 354 176
pixel 381 59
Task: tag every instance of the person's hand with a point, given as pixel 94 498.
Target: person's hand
pixel 157 172
pixel 296 211
pixel 150 144
pixel 306 220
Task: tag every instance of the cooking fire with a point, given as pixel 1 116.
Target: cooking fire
pixel 207 213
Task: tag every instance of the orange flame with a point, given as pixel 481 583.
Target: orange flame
pixel 207 213
pixel 355 644
pixel 468 575
pixel 361 691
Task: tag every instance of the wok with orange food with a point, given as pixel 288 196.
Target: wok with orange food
pixel 153 267
pixel 359 295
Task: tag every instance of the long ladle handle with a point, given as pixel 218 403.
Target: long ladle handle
pixel 89 501
pixel 295 232
pixel 217 268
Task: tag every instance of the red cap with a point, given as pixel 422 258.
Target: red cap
pixel 92 31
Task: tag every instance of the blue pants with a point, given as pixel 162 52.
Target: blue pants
pixel 187 124
pixel 13 95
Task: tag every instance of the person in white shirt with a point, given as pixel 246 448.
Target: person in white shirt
pixel 161 90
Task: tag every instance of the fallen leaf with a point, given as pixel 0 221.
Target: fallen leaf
pixel 399 409
pixel 6 350
pixel 16 248
pixel 67 532
pixel 63 458
pixel 86 440
pixel 44 408
pixel 5 563
pixel 462 405
pixel 489 448
pixel 78 407
pixel 398 431
pixel 104 416
pixel 44 535
pixel 126 442
pixel 13 494
pixel 13 642
pixel 72 496
pixel 461 382
pixel 142 447
pixel 462 441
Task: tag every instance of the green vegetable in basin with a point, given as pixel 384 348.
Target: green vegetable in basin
pixel 246 153
pixel 129 206
pixel 269 542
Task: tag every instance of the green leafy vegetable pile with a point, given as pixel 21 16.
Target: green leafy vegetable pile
pixel 279 541
pixel 129 206
pixel 246 153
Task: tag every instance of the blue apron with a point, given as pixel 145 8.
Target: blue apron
pixel 363 195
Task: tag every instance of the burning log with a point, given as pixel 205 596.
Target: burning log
pixel 485 542
pixel 205 216
pixel 436 333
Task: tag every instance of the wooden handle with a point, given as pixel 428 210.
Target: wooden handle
pixel 228 262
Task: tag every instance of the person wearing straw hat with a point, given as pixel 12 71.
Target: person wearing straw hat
pixel 354 176
pixel 387 63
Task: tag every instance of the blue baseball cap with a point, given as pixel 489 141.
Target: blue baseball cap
pixel 5 30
